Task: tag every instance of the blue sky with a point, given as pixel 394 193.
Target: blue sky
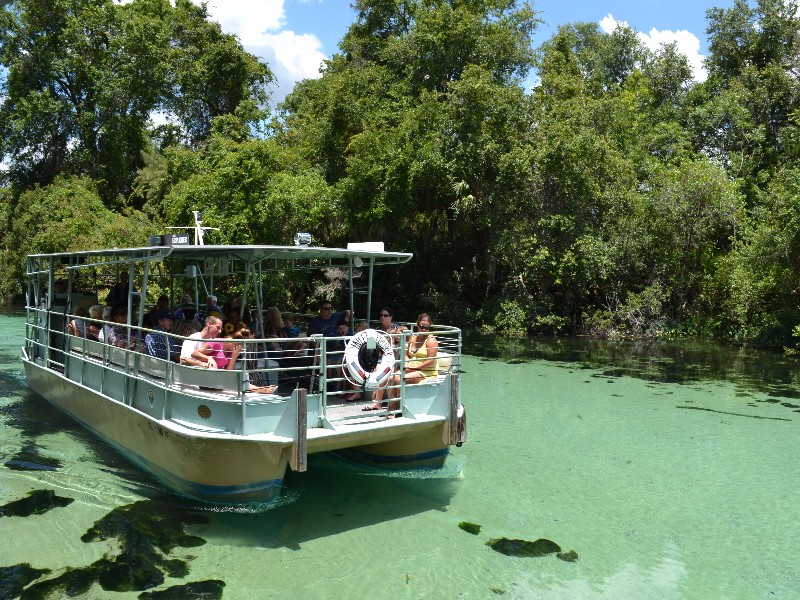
pixel 294 36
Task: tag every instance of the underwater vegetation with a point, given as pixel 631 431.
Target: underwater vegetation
pixel 521 548
pixel 147 532
pixel 541 547
pixel 210 589
pixel 570 556
pixel 14 579
pixel 470 527
pixel 37 502
pixel 524 548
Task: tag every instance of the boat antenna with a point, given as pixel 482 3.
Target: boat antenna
pixel 199 230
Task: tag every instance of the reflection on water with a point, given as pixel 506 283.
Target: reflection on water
pixel 683 361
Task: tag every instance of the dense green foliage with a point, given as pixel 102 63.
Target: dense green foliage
pixel 617 197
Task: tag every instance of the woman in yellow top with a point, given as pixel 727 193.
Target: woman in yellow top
pixel 421 352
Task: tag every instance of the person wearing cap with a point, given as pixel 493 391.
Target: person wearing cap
pixel 158 343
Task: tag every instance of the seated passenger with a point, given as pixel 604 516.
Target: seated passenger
pixel 254 324
pixel 187 318
pixel 421 352
pixel 159 343
pixel 289 329
pixel 119 335
pixel 326 321
pixel 224 352
pixel 162 305
pixel 295 348
pixel 78 326
pixel 187 310
pixel 273 329
pixel 335 351
pixel 261 381
pixel 93 328
pixel 192 351
pixel 387 325
pixel 105 331
pixel 233 320
pixel 185 327
pixel 211 308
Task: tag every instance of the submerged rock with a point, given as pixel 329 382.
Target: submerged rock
pixel 540 547
pixel 570 556
pixel 470 527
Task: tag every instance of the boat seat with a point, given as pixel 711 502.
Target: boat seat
pixel 153 366
pixel 217 379
pixel 445 362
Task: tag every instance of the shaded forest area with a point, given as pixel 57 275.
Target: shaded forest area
pixel 617 198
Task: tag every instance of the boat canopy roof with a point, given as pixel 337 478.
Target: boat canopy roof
pixel 277 258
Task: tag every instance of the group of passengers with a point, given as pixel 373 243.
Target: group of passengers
pixel 214 338
pixel 89 324
pixel 421 349
pixel 421 356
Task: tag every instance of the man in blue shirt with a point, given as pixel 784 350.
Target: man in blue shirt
pixel 327 320
pixel 160 344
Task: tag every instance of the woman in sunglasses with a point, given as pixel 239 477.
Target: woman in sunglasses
pixel 421 352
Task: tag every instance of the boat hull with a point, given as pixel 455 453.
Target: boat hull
pixel 226 469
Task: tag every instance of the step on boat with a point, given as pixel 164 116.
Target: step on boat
pixel 228 435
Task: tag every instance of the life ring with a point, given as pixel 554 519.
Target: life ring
pixel 369 358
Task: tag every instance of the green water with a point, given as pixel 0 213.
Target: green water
pixel 670 469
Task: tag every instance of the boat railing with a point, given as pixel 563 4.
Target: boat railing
pixel 274 366
pixel 336 385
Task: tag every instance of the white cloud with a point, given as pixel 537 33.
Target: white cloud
pixel 291 57
pixel 685 41
pixel 250 20
pixel 259 25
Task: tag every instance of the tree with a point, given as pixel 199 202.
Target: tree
pixel 742 114
pixel 210 75
pixel 411 122
pixel 67 215
pixel 759 279
pixel 84 77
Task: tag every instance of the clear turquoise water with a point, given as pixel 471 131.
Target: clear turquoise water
pixel 671 469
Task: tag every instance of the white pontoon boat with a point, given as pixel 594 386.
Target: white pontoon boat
pixel 205 432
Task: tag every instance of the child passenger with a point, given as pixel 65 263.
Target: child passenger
pixel 289 329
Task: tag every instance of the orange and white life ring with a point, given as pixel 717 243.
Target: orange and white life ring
pixel 369 358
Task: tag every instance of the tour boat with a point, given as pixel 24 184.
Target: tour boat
pixel 208 433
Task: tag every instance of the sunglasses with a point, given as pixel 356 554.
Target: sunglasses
pixel 423 327
pixel 326 308
pixel 385 315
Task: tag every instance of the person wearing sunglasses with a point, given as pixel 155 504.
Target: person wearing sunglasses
pixel 421 352
pixel 386 325
pixel 326 321
pixel 421 355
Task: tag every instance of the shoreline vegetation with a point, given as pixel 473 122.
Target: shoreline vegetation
pixel 618 198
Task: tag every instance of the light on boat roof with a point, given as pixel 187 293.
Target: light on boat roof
pixel 302 238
